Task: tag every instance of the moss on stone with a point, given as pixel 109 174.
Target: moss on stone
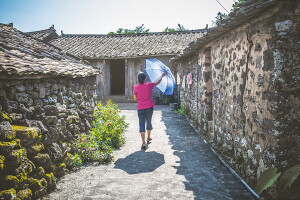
pixel 23 181
pixel 27 166
pixel 52 168
pixel 39 172
pixel 35 148
pixel 68 160
pixel 2 158
pixel 72 119
pixel 38 147
pixel 26 134
pixel 24 194
pixel 22 177
pixel 51 181
pixel 16 157
pixel 8 194
pixel 34 184
pixel 6 147
pixel 43 160
pixel 62 165
pixel 11 181
pixel 5 116
pixel 43 182
pixel 60 170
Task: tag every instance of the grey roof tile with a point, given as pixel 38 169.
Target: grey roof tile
pixel 126 46
pixel 21 55
pixel 45 35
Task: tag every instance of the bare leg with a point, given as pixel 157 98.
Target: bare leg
pixel 148 132
pixel 143 137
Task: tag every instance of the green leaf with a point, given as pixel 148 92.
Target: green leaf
pixel 289 176
pixel 266 179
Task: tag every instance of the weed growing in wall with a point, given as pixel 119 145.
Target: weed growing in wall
pixel 181 110
pixel 107 134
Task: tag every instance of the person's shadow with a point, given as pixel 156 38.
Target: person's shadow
pixel 140 162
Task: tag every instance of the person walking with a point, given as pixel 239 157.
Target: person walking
pixel 143 94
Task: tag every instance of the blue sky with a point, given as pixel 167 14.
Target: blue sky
pixel 103 16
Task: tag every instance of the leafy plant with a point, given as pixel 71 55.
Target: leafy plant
pixel 109 125
pixel 181 110
pixel 269 177
pixel 107 133
pixel 236 4
pixel 289 176
pixel 221 16
pixel 266 179
pixel 137 30
pixel 165 101
pixel 180 28
pixel 76 160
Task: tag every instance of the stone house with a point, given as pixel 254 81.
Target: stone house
pixel 244 94
pixel 46 99
pixel 121 57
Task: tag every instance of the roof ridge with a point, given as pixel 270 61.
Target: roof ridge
pixel 139 34
pixel 44 30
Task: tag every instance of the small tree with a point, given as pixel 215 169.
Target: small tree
pixel 180 28
pixel 137 30
pixel 221 16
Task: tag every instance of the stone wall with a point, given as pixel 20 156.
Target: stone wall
pixel 189 95
pixel 248 92
pixel 39 122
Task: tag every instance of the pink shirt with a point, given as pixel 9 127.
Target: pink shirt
pixel 144 95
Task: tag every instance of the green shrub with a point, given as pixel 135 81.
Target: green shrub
pixel 165 101
pixel 109 125
pixel 181 110
pixel 107 133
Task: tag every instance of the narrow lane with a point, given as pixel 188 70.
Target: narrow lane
pixel 176 165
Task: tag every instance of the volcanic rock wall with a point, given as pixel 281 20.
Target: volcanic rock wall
pixel 39 121
pixel 245 94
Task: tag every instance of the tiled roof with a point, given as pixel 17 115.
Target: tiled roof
pixel 22 56
pixel 45 35
pixel 126 46
pixel 244 13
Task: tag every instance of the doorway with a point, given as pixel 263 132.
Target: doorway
pixel 117 77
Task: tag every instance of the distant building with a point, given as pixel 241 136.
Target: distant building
pixel 121 57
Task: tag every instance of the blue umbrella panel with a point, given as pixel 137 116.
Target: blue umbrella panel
pixel 154 69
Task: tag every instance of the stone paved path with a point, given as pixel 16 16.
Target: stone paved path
pixel 176 165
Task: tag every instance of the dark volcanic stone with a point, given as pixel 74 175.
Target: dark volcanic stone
pixel 258 47
pixel 260 80
pixel 22 97
pixel 268 61
pixel 51 110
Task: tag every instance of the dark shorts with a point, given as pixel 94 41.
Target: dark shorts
pixel 145 116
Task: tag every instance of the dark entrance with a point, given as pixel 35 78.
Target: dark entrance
pixel 117 77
